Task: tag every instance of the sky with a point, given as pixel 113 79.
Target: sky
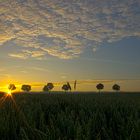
pixel 90 41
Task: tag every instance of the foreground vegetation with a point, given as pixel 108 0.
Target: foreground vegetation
pixel 70 117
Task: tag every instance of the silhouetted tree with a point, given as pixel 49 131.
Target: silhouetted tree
pixel 11 87
pixel 48 87
pixel 75 83
pixel 65 87
pixel 26 88
pixel 69 86
pixel 116 87
pixel 100 87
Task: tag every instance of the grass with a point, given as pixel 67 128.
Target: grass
pixel 70 116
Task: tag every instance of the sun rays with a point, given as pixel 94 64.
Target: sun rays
pixel 6 95
pixel 8 98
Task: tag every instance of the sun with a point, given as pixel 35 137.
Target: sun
pixel 9 93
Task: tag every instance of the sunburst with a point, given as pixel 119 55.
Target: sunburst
pixel 9 93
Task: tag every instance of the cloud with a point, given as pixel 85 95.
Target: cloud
pixel 19 55
pixel 64 29
pixel 28 54
pixel 4 38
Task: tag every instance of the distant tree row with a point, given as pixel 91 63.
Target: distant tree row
pixel 66 87
pixel 100 87
pixel 26 88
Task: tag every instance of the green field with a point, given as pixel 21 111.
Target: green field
pixel 70 117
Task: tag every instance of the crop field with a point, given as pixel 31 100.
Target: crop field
pixel 70 116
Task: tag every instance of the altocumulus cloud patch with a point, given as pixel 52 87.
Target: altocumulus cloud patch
pixel 63 28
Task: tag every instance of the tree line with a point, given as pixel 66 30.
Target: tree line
pixel 66 87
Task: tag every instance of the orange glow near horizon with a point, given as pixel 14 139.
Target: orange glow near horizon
pixel 4 88
pixel 53 42
pixel 82 85
pixel 9 93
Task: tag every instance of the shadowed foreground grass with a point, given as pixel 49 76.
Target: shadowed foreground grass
pixel 70 117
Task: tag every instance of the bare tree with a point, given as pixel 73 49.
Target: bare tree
pixel 75 84
pixel 100 87
pixel 116 87
pixel 26 88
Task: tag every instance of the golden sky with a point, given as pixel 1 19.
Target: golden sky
pixel 58 41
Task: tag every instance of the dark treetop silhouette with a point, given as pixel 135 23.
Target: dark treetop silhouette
pixel 26 88
pixel 116 87
pixel 66 87
pixel 48 87
pixel 100 87
pixel 12 87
